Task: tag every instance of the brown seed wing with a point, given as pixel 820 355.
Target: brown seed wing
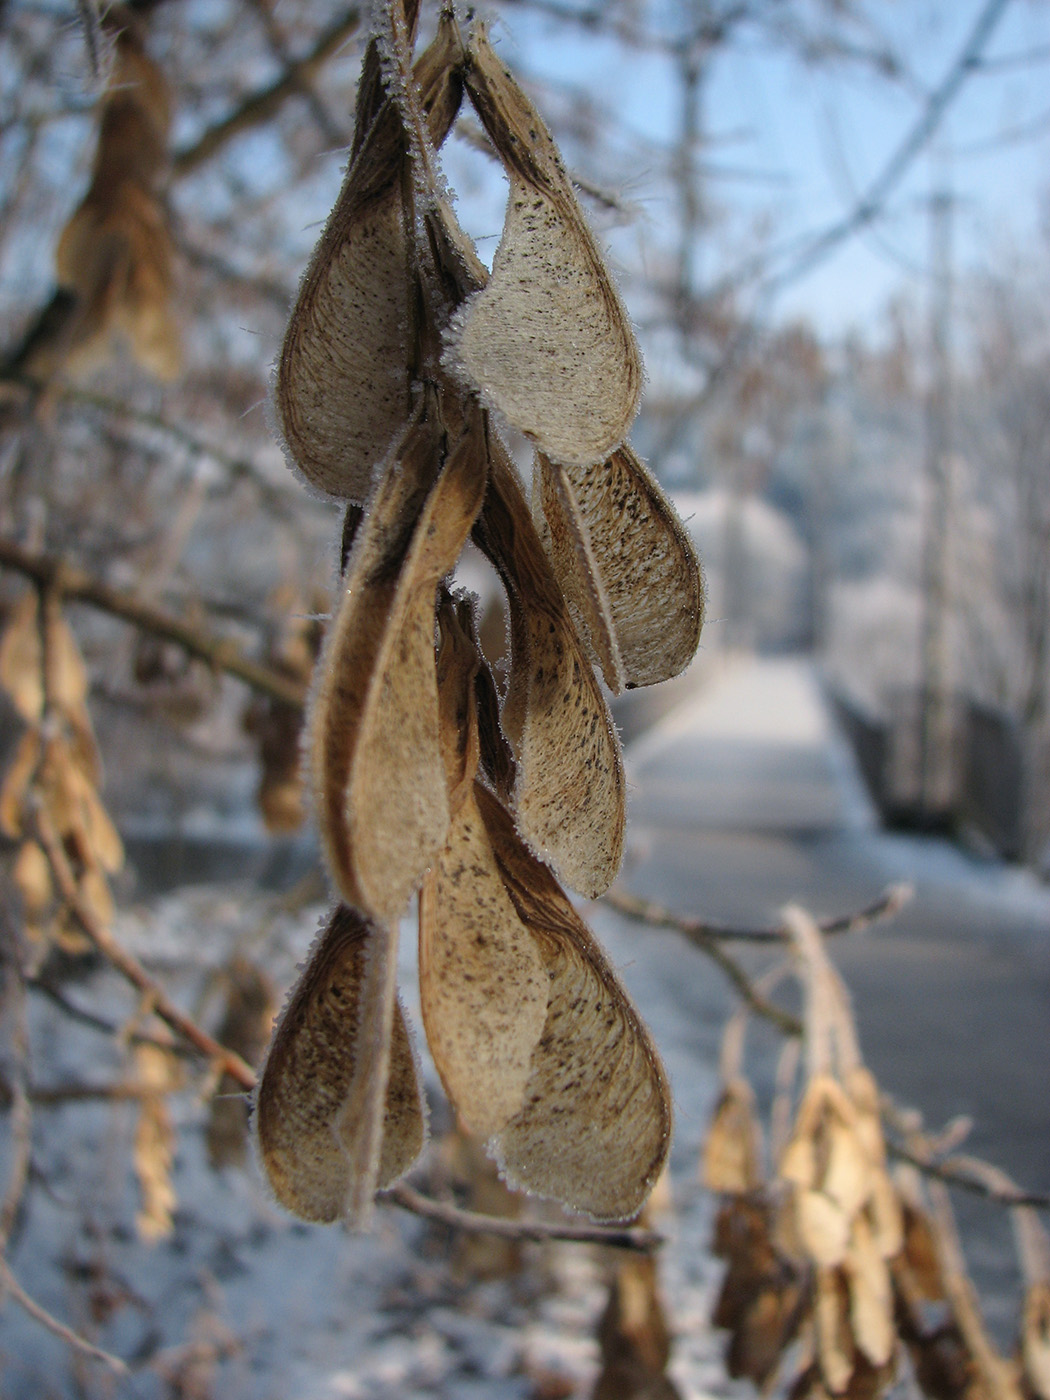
pixel 731 1161
pixel 482 982
pixel 22 658
pixel 377 763
pixel 576 567
pixel 625 561
pixel 343 380
pixel 547 342
pixel 338 1110
pixel 596 1122
pixel 483 985
pixel 835 1353
pixel 355 638
pixel 569 795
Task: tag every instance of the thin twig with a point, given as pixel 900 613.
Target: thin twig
pixel 59 1329
pixel 704 931
pixel 634 1237
pixel 221 655
pixel 239 468
pixel 954 1172
pixel 708 936
pixel 131 969
pixel 999 1377
pixel 872 202
pixel 14 1011
pixel 700 935
pixel 260 106
pixel 89 19
pixel 332 133
pixel 163 1040
pixel 55 1095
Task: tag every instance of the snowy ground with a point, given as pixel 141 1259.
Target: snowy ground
pixel 743 799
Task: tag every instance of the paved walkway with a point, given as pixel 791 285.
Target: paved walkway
pixel 745 798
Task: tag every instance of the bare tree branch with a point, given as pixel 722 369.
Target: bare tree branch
pixel 703 931
pixel 130 967
pixel 631 1237
pixel 871 203
pixel 260 106
pixel 221 655
pixel 956 1172
pixel 58 1329
pixel 99 1023
pixel 239 467
pixel 13 993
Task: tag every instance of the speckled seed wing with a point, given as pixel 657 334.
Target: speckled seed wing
pixel 374 739
pixel 482 982
pixel 625 561
pixel 376 754
pixel 547 342
pixel 343 381
pixel 338 1110
pixel 577 569
pixel 360 626
pixel 569 795
pixel 595 1127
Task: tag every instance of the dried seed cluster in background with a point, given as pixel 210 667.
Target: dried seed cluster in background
pixel 115 258
pixel 51 790
pixel 838 1270
pixel 403 360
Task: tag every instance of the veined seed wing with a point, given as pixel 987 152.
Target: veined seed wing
pixel 626 565
pixel 569 795
pixel 482 982
pixel 547 342
pixel 376 756
pixel 338 1110
pixel 344 379
pixel 595 1126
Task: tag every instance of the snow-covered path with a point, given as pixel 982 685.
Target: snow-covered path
pixel 745 798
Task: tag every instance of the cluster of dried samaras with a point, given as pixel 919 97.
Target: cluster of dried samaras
pixel 115 257
pixel 403 362
pixel 836 1267
pixel 50 792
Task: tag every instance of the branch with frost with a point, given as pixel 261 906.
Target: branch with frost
pixel 239 468
pixel 129 966
pixel 259 106
pixel 708 935
pixel 704 932
pixel 9 1285
pixel 47 571
pixel 633 1237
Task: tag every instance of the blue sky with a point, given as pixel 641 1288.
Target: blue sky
pixel 792 146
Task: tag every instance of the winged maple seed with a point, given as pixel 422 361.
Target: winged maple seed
pixel 425 779
pixel 51 787
pixel 115 257
pixel 823 1252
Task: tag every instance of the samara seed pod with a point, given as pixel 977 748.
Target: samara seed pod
pixel 345 377
pixel 732 1156
pixel 547 342
pixel 338 1110
pixel 376 757
pixel 569 793
pixel 626 565
pixel 482 983
pixel 595 1126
